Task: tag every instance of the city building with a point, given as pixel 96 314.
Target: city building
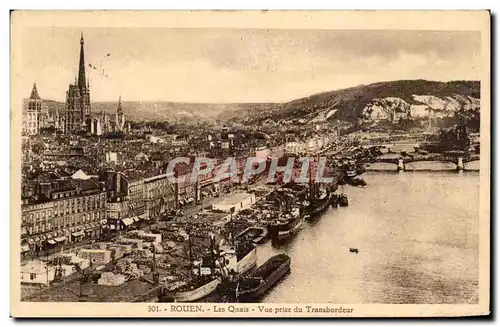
pixel 63 210
pixel 80 210
pixel 205 183
pixel 126 201
pixel 112 158
pixel 36 222
pixel 77 111
pixel 160 195
pixel 37 272
pixel 186 190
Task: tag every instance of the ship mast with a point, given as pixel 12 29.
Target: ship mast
pixel 310 183
pixel 213 254
pixel 47 266
pixel 232 227
pixel 190 251
pixel 287 203
pixel 156 276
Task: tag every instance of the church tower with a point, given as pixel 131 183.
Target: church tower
pixel 120 116
pixel 33 113
pixel 77 115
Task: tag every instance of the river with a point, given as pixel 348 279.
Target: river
pixel 417 235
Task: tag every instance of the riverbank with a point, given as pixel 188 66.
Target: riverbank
pixel 417 236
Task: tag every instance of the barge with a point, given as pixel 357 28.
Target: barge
pixel 253 287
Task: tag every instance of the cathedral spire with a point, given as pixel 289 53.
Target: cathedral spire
pixel 81 70
pixel 119 110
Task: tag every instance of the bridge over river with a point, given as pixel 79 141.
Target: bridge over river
pixel 416 162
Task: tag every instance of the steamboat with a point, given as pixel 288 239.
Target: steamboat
pixel 318 200
pixel 241 255
pixel 318 203
pixel 240 259
pixel 205 277
pixel 202 284
pixel 286 225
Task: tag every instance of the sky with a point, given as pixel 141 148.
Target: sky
pixel 239 65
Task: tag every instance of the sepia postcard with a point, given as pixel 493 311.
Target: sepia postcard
pixel 275 164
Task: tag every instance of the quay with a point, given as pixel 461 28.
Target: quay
pixel 142 258
pixel 131 264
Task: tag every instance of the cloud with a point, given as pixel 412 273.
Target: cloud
pixel 227 65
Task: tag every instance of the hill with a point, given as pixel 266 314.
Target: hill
pixel 364 103
pixel 355 103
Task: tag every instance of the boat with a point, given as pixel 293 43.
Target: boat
pixel 240 261
pixel 266 276
pixel 300 191
pixel 190 292
pixel 350 173
pixel 318 200
pixel 204 279
pixel 246 256
pixel 285 225
pixel 350 169
pixel 342 199
pixel 317 206
pixel 240 255
pixel 357 181
pixel 255 234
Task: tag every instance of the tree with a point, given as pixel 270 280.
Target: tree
pixel 454 139
pixel 469 118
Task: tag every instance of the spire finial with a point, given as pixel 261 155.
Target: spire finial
pixel 81 37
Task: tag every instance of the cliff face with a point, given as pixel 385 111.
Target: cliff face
pixel 385 101
pixel 393 109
